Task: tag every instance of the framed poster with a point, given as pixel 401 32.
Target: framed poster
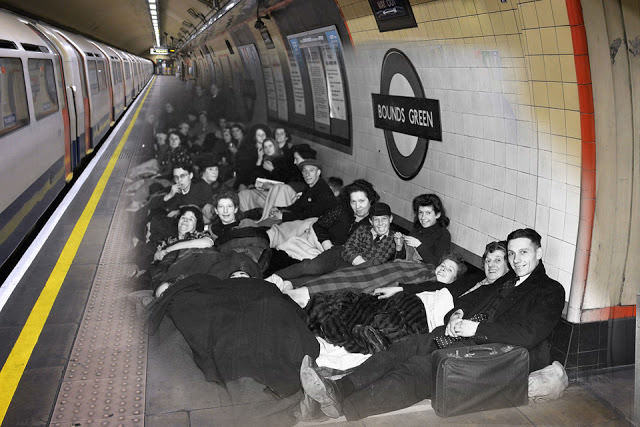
pixel 393 14
pixel 318 82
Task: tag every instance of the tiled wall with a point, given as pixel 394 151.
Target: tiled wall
pixel 511 152
pixel 595 345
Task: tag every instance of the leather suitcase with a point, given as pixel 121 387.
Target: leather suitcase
pixel 479 378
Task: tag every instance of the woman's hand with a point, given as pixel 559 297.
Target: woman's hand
pixel 398 238
pixel 412 241
pixel 268 165
pixel 160 254
pixel 387 292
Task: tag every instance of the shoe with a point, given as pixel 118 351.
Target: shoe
pixel 375 341
pixel 322 390
pixel 309 410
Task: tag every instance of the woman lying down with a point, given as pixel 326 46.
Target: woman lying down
pixel 368 323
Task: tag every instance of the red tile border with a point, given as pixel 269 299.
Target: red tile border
pixel 585 97
pixel 588 173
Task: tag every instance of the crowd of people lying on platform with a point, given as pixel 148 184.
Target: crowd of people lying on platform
pixel 218 209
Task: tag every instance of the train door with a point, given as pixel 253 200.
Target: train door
pixel 70 160
pixel 128 78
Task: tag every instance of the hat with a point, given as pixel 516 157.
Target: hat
pixel 379 209
pixel 207 160
pixel 312 162
pixel 305 151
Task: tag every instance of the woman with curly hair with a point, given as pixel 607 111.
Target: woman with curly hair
pixel 429 240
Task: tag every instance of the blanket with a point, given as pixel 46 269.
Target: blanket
pixel 369 278
pixel 296 238
pixel 239 328
pixel 363 323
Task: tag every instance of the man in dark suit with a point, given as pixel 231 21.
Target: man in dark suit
pixel 521 308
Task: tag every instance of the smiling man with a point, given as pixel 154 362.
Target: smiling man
pixel 521 308
pixel 316 198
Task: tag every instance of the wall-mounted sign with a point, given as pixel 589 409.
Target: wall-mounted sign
pixel 159 51
pixel 266 37
pixel 417 115
pixel 411 116
pixel 393 14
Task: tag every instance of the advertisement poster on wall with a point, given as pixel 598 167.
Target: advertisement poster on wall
pixel 296 80
pixel 318 89
pixel 337 105
pixel 320 53
pixel 270 88
pixel 281 90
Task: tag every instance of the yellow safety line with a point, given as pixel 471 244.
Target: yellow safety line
pixel 21 352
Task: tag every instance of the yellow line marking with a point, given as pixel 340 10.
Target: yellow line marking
pixel 21 352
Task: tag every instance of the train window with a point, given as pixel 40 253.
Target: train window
pixel 14 111
pixel 102 75
pixel 7 44
pixel 127 70
pixel 34 48
pixel 43 87
pixel 93 77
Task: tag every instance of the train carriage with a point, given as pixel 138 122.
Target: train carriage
pixel 32 129
pixel 95 68
pixel 114 70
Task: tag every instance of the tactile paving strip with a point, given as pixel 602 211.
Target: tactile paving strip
pixel 104 383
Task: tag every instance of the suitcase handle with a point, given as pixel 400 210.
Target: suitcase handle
pixel 474 350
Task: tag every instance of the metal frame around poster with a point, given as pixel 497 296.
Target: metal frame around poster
pixel 319 57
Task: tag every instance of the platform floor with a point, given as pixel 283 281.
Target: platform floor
pixel 94 363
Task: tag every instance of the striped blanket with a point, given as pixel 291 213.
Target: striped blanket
pixel 369 278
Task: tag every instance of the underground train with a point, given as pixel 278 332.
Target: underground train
pixel 60 93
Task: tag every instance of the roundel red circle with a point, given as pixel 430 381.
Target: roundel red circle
pixel 396 62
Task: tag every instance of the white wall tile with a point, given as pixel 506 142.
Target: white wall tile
pixel 524 154
pixel 542 219
pixel 559 171
pixel 500 154
pixel 512 156
pixel 556 223
pixel 558 195
pixel 544 164
pixel 570 229
pixel 573 200
pixel 560 254
pixel 573 175
pixel 511 181
pixel 509 206
pixel 522 185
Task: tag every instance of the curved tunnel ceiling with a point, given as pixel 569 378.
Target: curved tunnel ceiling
pixel 126 24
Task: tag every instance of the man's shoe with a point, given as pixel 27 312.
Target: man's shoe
pixel 309 410
pixel 322 390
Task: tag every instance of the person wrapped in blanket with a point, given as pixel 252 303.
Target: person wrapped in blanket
pixel 429 240
pixel 332 230
pixel 368 323
pixel 238 325
pixel 190 235
pixel 366 246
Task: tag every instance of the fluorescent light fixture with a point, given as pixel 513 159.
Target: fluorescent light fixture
pixel 211 21
pixel 152 6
